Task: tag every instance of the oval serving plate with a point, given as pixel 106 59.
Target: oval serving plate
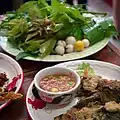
pixel 104 69
pixel 14 73
pixel 56 58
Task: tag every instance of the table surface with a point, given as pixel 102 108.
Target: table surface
pixel 17 109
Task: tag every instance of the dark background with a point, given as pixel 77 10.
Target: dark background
pixel 7 5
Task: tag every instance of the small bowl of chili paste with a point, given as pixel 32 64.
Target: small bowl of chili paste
pixel 57 85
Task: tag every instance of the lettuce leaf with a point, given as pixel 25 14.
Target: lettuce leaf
pixel 61 8
pixel 26 6
pixel 85 69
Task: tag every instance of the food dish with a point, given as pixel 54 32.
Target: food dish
pixel 11 79
pixel 53 97
pixel 98 99
pixel 56 58
pixel 7 89
pixel 57 83
pixel 43 32
pixel 48 112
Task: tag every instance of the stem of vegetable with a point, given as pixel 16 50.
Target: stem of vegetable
pixel 44 8
pixel 99 13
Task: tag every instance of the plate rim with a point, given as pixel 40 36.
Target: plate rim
pixel 59 60
pixel 75 61
pixel 22 79
pixel 27 100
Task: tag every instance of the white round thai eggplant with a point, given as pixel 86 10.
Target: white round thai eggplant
pixel 69 48
pixel 86 42
pixel 70 40
pixel 61 43
pixel 60 50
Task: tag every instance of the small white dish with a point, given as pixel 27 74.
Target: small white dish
pixel 57 98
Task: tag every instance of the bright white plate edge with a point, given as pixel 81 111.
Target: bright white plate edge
pixel 22 78
pixel 62 64
pixel 64 60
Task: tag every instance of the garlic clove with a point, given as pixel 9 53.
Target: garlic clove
pixel 69 48
pixel 86 42
pixel 60 50
pixel 61 43
pixel 70 40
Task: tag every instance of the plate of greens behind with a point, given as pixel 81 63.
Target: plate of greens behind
pixel 57 32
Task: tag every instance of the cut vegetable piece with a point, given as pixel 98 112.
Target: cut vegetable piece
pixel 79 46
pixel 85 67
pixel 26 6
pixel 47 47
pixel 21 55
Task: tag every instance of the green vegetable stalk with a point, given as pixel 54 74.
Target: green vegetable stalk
pixel 100 30
pixel 47 47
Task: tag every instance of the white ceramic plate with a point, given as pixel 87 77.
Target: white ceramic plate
pixel 106 70
pixel 56 58
pixel 12 70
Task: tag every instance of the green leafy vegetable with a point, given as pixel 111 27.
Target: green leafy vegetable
pixel 10 16
pixel 100 30
pixel 36 26
pixel 64 32
pixel 70 83
pixel 32 46
pixel 45 9
pixel 21 55
pixel 47 47
pixel 95 34
pixel 27 6
pixel 42 4
pixel 17 27
pixel 61 8
pixel 85 69
pixel 77 32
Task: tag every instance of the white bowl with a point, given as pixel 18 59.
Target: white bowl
pixel 57 97
pixel 12 70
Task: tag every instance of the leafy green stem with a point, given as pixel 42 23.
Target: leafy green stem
pixel 98 13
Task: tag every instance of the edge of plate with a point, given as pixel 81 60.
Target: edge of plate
pixel 61 60
pixel 22 78
pixel 26 101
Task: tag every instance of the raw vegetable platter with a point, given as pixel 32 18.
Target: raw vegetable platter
pixel 60 32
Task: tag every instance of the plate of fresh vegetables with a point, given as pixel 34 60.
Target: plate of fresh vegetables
pixel 57 32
